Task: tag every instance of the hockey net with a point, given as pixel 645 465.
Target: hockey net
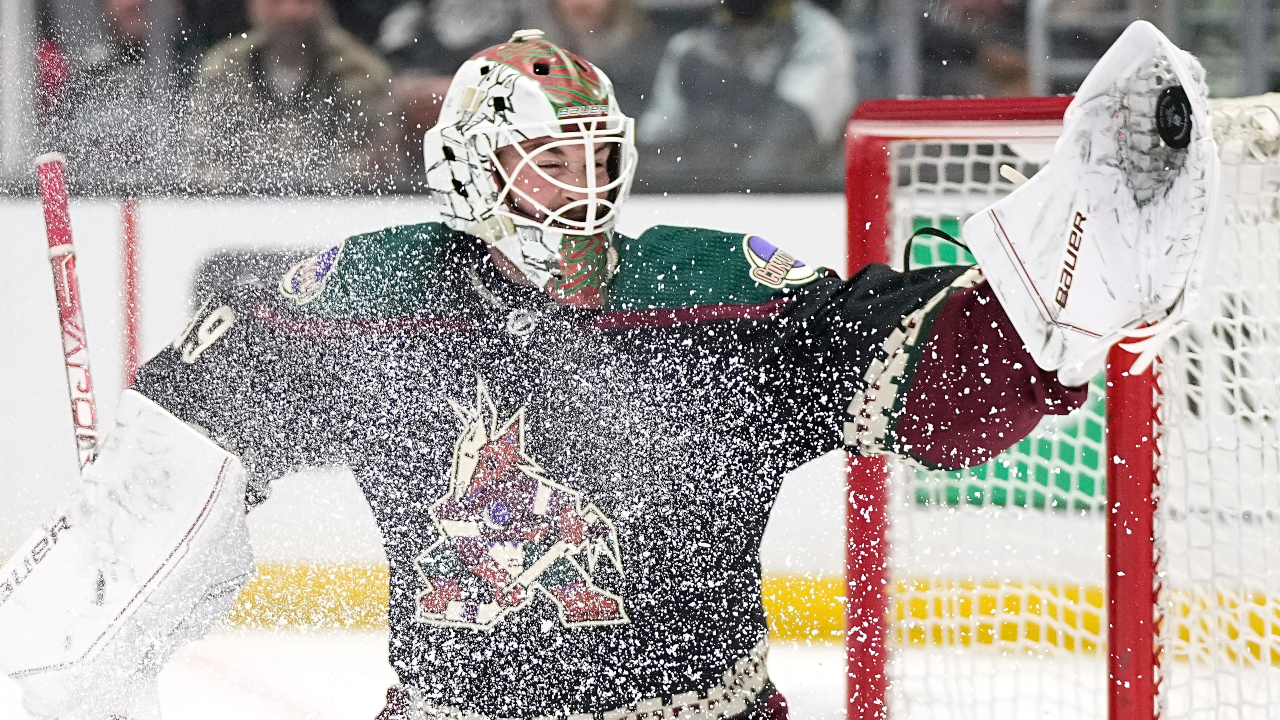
pixel 1031 586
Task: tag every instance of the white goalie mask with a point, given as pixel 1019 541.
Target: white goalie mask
pixel 521 90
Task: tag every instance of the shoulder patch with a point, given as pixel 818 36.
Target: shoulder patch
pixel 304 282
pixel 679 267
pixel 773 267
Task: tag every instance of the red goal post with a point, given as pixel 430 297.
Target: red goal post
pixel 877 123
pixel 923 643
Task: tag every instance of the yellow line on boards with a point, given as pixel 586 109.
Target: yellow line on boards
pixel 967 613
pixel 1201 624
pixel 1006 615
pixel 801 607
pixel 354 597
pixel 351 597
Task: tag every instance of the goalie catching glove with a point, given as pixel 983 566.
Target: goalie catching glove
pixel 1112 238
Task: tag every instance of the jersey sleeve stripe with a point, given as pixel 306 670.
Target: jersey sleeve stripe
pixel 628 319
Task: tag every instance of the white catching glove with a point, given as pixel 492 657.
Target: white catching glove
pixel 1118 229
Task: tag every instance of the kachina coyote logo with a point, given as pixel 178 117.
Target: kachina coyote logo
pixel 507 531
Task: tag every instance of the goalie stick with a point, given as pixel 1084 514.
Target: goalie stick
pixel 75 348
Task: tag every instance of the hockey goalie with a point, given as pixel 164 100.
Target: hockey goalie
pixel 572 439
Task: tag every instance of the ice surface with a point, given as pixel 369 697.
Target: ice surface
pixel 266 675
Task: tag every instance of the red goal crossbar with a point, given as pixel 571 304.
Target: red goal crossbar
pixel 1130 433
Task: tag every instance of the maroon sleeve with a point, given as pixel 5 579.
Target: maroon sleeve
pixel 975 391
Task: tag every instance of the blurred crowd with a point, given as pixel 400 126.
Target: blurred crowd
pixel 332 96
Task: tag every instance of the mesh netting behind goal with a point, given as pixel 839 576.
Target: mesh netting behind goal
pixel 1218 512
pixel 997 574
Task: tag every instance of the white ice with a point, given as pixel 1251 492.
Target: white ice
pixel 266 675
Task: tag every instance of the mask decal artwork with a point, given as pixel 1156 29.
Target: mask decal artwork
pixel 584 271
pixel 508 531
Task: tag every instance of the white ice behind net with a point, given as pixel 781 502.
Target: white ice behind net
pixel 996 607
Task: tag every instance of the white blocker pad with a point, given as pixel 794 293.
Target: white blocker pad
pixel 148 554
pixel 1117 229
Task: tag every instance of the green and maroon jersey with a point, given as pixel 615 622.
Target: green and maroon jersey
pixel 572 501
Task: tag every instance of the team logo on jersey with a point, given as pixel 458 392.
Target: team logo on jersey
pixel 305 281
pixel 507 532
pixel 773 267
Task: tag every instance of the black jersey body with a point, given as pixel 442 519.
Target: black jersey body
pixel 571 501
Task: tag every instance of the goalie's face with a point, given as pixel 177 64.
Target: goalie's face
pixel 568 181
pixel 533 156
pixel 553 178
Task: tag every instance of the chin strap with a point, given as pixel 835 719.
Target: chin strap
pixel 493 229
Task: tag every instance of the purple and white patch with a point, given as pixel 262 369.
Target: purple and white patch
pixel 305 281
pixel 773 267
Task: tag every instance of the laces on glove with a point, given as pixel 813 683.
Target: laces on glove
pixel 1153 336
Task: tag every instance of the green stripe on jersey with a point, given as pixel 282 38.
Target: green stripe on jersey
pixel 676 267
pixel 400 271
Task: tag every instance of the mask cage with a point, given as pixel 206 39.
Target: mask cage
pixel 602 202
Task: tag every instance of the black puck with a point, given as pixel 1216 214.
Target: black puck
pixel 1173 117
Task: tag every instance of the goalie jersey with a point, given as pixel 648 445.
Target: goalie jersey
pixel 571 501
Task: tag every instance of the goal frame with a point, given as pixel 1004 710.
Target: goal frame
pixel 1133 653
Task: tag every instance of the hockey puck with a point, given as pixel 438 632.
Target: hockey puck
pixel 1173 117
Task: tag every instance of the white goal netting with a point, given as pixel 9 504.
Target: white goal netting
pixel 997 573
pixel 1218 518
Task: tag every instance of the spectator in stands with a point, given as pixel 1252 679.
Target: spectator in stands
pixel 209 22
pixel 425 42
pixel 614 35
pixel 758 95
pixel 975 47
pixel 296 104
pixel 112 113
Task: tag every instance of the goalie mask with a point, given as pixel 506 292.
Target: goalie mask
pixel 522 90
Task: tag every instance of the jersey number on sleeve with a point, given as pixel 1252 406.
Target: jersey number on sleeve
pixel 213 326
